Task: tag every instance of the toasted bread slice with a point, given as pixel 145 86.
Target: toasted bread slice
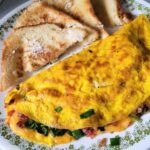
pixel 40 27
pixel 28 49
pixel 110 12
pixel 43 13
pixel 81 10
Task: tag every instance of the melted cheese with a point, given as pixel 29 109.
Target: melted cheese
pixel 111 76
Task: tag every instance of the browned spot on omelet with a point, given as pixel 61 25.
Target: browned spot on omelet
pixel 66 66
pixel 11 101
pixel 142 77
pixel 123 56
pixel 54 92
pixel 70 89
pixel 148 66
pixel 102 98
pixel 90 79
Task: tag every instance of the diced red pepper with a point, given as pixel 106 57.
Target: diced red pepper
pixel 20 124
pixel 22 117
pixel 90 132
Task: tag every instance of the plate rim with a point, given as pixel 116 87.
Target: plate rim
pixel 20 7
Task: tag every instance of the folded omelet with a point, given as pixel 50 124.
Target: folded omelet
pixel 102 84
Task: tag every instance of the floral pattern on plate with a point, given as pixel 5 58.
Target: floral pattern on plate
pixel 129 137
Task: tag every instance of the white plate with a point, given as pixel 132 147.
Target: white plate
pixel 136 137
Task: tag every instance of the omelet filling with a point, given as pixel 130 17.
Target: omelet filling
pixel 37 132
pixel 99 87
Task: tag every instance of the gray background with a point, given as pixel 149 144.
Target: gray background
pixel 8 5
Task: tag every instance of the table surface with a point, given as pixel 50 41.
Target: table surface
pixel 8 5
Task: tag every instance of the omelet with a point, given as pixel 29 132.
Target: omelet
pixel 100 85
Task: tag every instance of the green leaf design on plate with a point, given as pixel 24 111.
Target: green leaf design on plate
pixel 8 24
pixel 130 138
pixel 135 5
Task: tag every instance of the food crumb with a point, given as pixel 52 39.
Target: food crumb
pixel 103 142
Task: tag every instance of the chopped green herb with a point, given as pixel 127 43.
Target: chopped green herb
pixel 40 128
pixel 136 118
pixel 69 132
pixel 58 109
pixel 87 114
pixel 43 129
pixel 77 134
pixel 31 124
pixel 58 132
pixel 115 141
pixel 101 128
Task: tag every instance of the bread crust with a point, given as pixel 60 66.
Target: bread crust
pixel 12 67
pixel 103 11
pixel 124 16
